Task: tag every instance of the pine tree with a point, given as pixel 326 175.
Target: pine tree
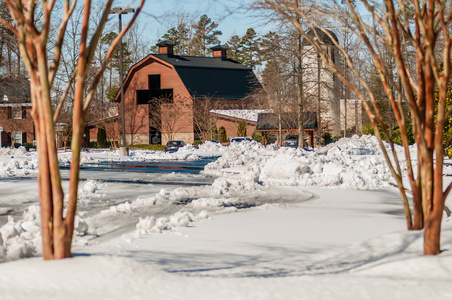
pixel 204 36
pixel 234 47
pixel 214 132
pixel 249 50
pixel 241 129
pixel 178 35
pixel 222 136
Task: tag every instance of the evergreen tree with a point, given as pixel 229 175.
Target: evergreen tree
pixel 178 35
pixel 241 129
pixel 249 49
pixel 101 138
pixel 205 35
pixel 112 92
pixel 234 47
pixel 107 39
pixel 214 132
pixel 222 136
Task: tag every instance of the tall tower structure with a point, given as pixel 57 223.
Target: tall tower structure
pixel 321 86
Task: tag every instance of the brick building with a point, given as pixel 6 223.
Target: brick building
pixel 163 93
pixel 16 122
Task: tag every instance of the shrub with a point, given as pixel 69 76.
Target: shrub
pixel 241 129
pixel 327 138
pixel 222 136
pixel 155 147
pixel 213 133
pixel 257 136
pixel 196 143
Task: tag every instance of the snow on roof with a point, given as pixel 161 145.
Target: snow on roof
pixel 245 114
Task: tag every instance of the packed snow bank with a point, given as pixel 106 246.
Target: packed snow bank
pixel 17 162
pixel 352 163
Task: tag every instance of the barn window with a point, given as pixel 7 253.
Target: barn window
pixel 154 81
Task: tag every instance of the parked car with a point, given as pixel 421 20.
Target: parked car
pixel 173 146
pixel 291 140
pixel 239 139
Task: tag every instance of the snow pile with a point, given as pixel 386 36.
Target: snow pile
pixel 209 146
pixel 193 203
pixel 18 167
pixel 366 144
pixel 15 151
pixel 353 163
pixel 150 224
pixel 22 238
pixel 240 157
pixel 17 162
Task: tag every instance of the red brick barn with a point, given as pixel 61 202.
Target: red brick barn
pixel 160 92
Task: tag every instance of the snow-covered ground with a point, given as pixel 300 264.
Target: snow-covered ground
pixel 273 224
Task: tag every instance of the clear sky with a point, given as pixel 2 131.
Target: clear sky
pixel 231 15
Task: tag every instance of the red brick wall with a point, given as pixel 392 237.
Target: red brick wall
pixel 23 125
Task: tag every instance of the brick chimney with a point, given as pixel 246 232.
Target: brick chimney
pixel 166 47
pixel 220 51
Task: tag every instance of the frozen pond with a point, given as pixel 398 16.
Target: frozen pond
pixel 156 166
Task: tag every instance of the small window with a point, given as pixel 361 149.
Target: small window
pixel 154 81
pixel 17 112
pixel 24 112
pixel 17 137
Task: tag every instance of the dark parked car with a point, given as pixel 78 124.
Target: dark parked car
pixel 239 139
pixel 290 140
pixel 173 146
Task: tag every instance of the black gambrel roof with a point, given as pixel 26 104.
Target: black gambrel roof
pixel 214 77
